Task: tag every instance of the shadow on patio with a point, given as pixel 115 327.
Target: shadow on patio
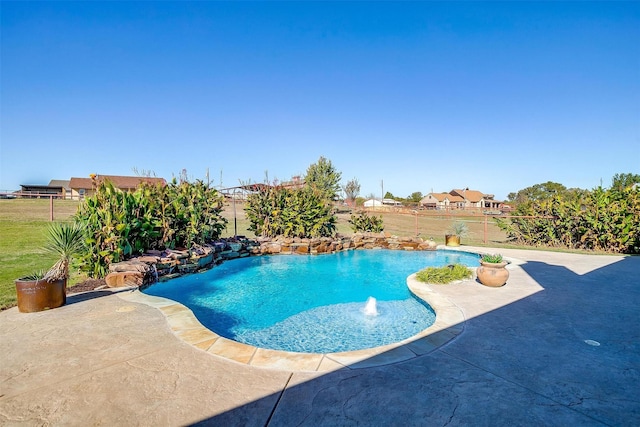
pixel 534 361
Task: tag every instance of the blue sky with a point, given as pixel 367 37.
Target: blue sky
pixel 419 95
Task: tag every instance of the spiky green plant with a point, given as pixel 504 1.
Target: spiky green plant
pixel 459 228
pixel 38 275
pixel 491 258
pixel 66 241
pixel 444 275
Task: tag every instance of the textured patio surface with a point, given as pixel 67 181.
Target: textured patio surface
pixel 524 355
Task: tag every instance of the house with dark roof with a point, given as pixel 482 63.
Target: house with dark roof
pixel 84 187
pixel 57 188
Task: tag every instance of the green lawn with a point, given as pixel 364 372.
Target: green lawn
pixel 23 227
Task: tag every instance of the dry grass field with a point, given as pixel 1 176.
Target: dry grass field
pixel 23 224
pixel 406 223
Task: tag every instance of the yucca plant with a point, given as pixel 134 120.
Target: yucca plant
pixel 459 228
pixel 66 241
pixel 37 275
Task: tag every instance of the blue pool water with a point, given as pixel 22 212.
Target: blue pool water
pixel 312 304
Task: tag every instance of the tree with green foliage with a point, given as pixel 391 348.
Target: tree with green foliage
pixel 415 197
pixel 537 192
pixel 621 181
pixel 325 178
pixel 352 189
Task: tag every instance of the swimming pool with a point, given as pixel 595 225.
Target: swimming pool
pixel 311 304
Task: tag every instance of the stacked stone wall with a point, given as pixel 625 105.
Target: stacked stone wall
pixel 169 263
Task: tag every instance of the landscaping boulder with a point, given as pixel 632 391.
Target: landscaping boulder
pixel 124 278
pixel 131 273
pixel 132 265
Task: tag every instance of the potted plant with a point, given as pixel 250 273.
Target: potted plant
pixel 40 291
pixel 457 230
pixel 492 271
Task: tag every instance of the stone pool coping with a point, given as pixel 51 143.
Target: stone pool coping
pixel 448 325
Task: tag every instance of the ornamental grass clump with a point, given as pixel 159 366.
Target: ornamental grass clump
pixel 444 275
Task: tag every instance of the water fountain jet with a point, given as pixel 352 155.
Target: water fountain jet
pixel 370 308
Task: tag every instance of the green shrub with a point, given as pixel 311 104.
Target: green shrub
pixel 120 224
pixel 365 223
pixel 289 212
pixel 444 275
pixel 601 219
pixel 491 258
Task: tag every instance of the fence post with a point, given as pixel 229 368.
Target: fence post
pixel 51 208
pixel 485 229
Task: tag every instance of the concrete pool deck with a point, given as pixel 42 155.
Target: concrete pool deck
pixel 523 354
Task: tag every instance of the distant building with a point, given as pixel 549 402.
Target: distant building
pixel 296 182
pixel 57 188
pixel 391 202
pixel 440 201
pixel 461 199
pixel 84 187
pixel 372 203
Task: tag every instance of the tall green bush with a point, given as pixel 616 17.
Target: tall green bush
pixel 191 214
pixel 120 224
pixel 282 211
pixel 601 219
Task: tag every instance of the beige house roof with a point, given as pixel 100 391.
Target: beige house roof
pixel 439 196
pixel 121 182
pixel 473 196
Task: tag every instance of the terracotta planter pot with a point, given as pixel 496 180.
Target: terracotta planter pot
pixel 492 274
pixel 451 240
pixel 39 295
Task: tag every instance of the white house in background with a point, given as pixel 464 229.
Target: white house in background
pixel 372 203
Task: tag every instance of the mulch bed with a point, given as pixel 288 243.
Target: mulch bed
pixel 87 285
